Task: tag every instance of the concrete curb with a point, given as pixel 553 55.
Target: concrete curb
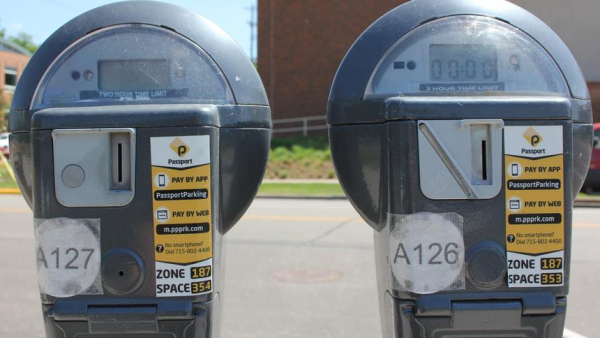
pixel 10 192
pixel 296 197
pixel 587 203
pixel 582 203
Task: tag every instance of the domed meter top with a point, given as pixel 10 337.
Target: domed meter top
pixel 467 55
pixel 104 68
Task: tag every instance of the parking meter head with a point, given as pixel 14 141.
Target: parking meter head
pixel 140 136
pixel 461 132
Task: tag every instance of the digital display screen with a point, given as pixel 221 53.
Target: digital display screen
pixel 463 63
pixel 154 74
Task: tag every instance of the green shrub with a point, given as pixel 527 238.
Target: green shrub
pixel 300 157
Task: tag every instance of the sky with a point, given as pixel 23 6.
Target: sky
pixel 40 18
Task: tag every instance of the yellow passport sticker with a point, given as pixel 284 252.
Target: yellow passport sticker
pixel 535 229
pixel 182 215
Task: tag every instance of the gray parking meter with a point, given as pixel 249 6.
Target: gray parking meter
pixel 461 132
pixel 140 136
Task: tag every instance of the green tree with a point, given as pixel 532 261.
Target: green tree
pixel 26 41
pixel 23 39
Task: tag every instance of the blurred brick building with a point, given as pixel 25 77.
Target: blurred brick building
pixel 13 59
pixel 302 42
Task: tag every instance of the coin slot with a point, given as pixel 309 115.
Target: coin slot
pixel 484 160
pixel 120 146
pixel 121 161
pixel 480 155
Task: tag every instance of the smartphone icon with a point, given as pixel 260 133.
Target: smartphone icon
pixel 514 170
pixel 162 181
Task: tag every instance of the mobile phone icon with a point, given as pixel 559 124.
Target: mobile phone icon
pixel 162 180
pixel 514 170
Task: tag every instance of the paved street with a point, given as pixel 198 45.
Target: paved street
pixel 295 268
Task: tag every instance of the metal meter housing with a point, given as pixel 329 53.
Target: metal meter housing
pixel 426 114
pixel 146 128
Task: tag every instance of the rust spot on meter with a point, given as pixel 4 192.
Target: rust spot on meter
pixel 307 276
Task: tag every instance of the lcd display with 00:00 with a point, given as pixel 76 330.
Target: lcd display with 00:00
pixel 153 74
pixel 463 63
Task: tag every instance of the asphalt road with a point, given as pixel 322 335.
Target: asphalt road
pixel 295 268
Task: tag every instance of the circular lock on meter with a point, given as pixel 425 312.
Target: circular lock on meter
pixel 461 132
pixel 129 126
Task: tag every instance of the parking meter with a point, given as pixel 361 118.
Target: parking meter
pixel 140 135
pixel 461 132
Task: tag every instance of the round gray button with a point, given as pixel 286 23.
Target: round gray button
pixel 486 265
pixel 73 176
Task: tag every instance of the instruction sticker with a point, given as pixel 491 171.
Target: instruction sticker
pixel 427 252
pixel 535 228
pixel 182 215
pixel 68 256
